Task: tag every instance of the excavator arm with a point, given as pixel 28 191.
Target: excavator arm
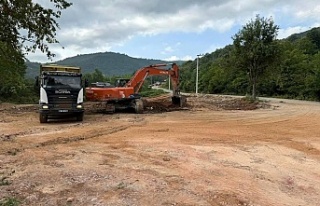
pixel 155 70
pixel 137 80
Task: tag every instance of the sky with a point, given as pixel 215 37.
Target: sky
pixel 168 29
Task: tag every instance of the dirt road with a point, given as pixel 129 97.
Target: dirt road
pixel 203 155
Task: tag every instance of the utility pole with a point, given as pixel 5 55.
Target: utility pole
pixel 197 75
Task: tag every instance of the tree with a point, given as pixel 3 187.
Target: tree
pixel 313 78
pixel 11 73
pixel 25 27
pixel 96 76
pixel 256 48
pixel 314 36
pixel 29 24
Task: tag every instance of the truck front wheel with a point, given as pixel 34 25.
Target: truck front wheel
pixel 80 117
pixel 43 118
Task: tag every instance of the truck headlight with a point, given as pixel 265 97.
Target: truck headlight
pixel 79 106
pixel 45 107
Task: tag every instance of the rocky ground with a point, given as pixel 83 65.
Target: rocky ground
pixel 216 150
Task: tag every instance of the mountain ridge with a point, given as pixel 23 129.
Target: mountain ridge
pixel 109 63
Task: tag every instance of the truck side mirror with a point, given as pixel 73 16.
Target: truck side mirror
pixel 86 83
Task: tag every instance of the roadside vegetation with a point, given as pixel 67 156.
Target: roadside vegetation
pixel 287 68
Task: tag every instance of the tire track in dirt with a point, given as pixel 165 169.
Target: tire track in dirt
pixel 58 133
pixel 62 140
pixel 65 140
pixel 35 131
pixel 39 135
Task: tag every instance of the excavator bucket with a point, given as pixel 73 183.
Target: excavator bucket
pixel 179 100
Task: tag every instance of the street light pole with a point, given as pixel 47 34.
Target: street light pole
pixel 197 75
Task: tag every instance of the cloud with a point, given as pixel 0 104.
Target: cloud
pixel 284 33
pixel 170 48
pixel 167 50
pixel 309 9
pixel 187 58
pixel 99 25
pixel 91 23
pixel 175 58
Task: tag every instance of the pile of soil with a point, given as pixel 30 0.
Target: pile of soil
pixel 209 102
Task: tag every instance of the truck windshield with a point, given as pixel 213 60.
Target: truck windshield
pixel 62 82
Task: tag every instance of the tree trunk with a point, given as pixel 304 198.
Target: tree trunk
pixel 254 89
pixel 253 81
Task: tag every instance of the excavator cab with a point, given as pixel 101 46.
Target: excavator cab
pixel 121 82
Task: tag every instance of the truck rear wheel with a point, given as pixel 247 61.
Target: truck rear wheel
pixel 138 106
pixel 43 118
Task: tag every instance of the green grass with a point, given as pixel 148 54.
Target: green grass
pixel 4 181
pixel 9 201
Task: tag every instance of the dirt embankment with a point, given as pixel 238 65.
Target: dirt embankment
pixel 215 151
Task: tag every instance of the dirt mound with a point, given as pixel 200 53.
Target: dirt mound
pixel 240 104
pixel 210 102
pixel 161 104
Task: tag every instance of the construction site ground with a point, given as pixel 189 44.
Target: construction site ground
pixel 215 151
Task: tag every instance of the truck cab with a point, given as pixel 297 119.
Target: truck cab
pixel 61 92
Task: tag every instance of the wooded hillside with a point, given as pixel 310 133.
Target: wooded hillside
pixel 109 63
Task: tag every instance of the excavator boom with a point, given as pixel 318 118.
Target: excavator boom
pixel 155 70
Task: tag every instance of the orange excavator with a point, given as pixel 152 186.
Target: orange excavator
pixel 125 94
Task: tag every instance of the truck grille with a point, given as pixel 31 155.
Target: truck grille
pixel 63 101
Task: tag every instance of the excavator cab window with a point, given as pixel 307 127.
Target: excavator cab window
pixel 121 82
pixel 101 84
